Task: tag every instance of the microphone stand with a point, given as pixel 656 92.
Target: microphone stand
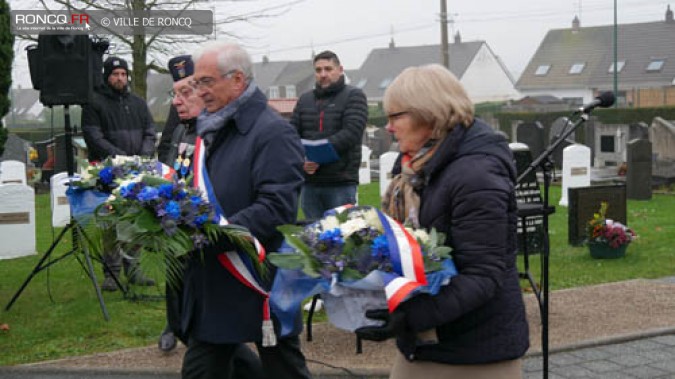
pixel 545 162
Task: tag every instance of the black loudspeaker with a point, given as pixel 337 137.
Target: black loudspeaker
pixel 35 66
pixel 98 48
pixel 65 69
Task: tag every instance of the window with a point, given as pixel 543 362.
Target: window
pixel 290 92
pixel 362 83
pixel 577 68
pixel 619 66
pixel 607 144
pixel 385 83
pixel 656 65
pixel 274 92
pixel 542 70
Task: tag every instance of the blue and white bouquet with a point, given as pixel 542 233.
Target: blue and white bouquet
pixel 358 258
pixel 152 209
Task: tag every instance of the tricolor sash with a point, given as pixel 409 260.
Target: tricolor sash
pixel 237 263
pixel 406 257
pixel 165 171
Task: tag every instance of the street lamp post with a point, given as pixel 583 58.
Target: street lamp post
pixel 616 59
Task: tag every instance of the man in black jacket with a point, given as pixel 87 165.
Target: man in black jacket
pixel 336 112
pixel 118 122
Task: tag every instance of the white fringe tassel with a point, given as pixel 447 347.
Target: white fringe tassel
pixel 269 338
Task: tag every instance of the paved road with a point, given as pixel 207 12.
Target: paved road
pixel 647 358
pixel 652 357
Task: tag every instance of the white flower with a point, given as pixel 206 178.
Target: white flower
pixel 126 182
pixel 330 223
pixel 119 160
pixel 112 197
pixel 373 220
pixel 421 235
pixel 352 226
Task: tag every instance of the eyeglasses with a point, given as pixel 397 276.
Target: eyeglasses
pixel 208 82
pixel 184 92
pixel 393 116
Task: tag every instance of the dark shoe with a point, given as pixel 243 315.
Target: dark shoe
pixel 167 342
pixel 109 284
pixel 138 278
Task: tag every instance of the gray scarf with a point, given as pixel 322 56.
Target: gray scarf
pixel 208 124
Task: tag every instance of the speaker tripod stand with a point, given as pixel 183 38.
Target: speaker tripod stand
pixel 80 241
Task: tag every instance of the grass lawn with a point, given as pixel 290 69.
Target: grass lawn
pixel 58 314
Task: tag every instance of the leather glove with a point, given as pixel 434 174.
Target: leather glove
pixel 394 324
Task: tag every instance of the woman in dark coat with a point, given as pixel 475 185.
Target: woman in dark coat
pixel 457 176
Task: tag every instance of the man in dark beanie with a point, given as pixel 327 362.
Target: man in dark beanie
pixel 118 122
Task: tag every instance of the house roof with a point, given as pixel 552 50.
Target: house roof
pixel 283 106
pixel 638 45
pixel 298 73
pixel 25 104
pixel 384 64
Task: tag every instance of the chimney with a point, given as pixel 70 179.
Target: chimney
pixel 265 59
pixel 392 45
pixel 458 38
pixel 669 15
pixel 576 24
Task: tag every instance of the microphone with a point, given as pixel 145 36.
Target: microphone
pixel 604 100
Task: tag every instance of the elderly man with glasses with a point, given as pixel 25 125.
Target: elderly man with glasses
pixel 249 161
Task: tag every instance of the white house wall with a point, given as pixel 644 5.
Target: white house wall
pixel 486 80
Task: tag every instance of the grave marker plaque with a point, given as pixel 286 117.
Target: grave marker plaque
pixel 585 201
pixel 17 221
pixel 527 192
pixel 387 161
pixel 639 175
pixel 532 135
pixel 576 169
pixel 364 170
pixel 12 172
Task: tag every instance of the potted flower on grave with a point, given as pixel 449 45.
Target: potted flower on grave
pixel 607 238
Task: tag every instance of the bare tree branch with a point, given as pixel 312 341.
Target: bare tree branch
pixel 147 50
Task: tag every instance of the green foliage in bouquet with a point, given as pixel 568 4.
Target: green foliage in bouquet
pixel 351 243
pixel 163 216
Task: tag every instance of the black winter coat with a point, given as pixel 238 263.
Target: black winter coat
pixel 117 123
pixel 338 113
pixel 255 167
pixel 468 193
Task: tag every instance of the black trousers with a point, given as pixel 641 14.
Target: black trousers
pixel 236 361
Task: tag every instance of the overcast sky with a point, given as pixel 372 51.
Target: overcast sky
pixel 351 28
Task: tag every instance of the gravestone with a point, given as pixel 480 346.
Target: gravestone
pixel 585 201
pixel 16 149
pixel 59 200
pixel 364 169
pixel 61 155
pixel 576 169
pixel 639 174
pixel 532 135
pixel 638 131
pixel 12 172
pixel 527 192
pixel 17 221
pixel 387 161
pixel 558 127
